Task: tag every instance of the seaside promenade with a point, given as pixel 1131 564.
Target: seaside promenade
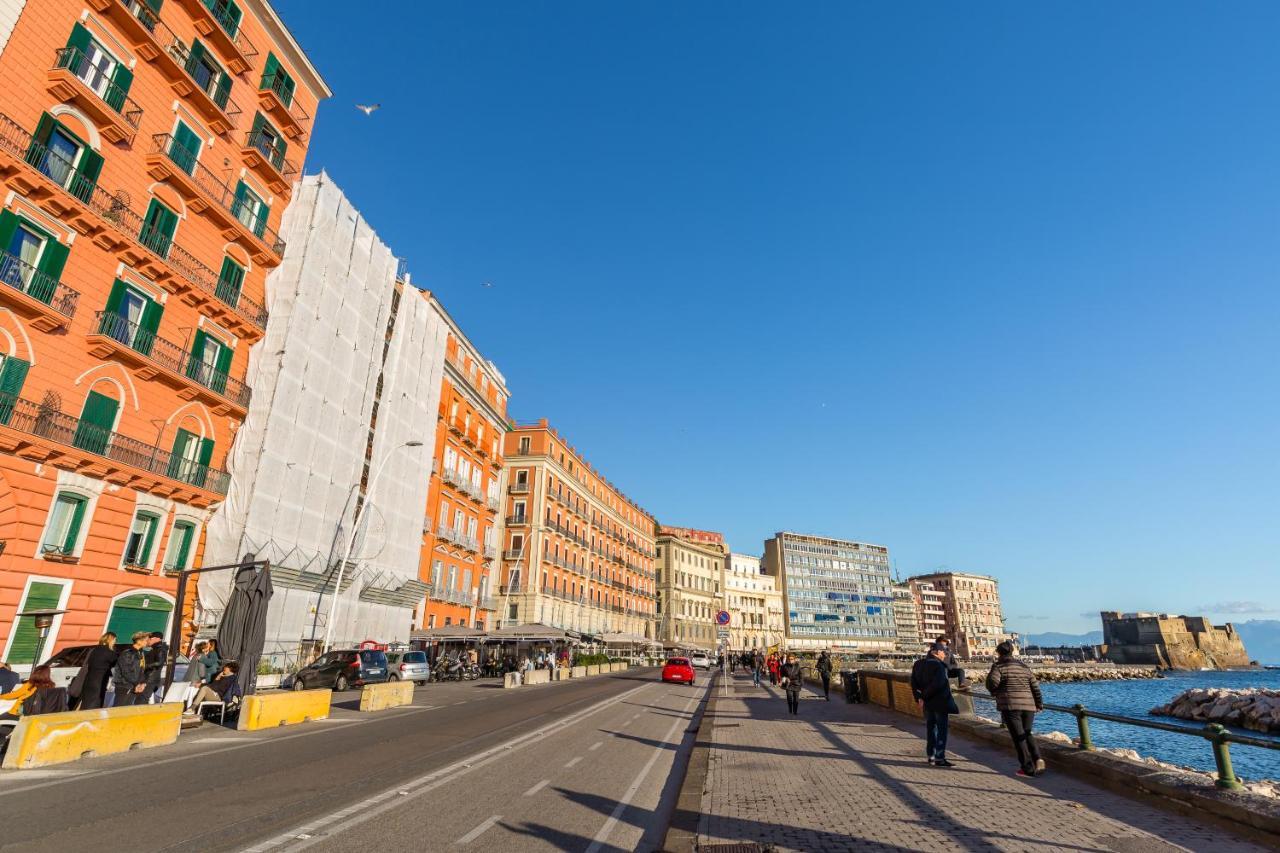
pixel 853 777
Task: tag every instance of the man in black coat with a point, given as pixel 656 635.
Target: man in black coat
pixel 932 691
pixel 157 654
pixel 129 675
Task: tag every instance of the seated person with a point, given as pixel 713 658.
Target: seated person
pixel 223 688
pixel 37 695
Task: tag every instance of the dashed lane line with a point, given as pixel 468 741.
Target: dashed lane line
pixel 538 787
pixel 596 745
pixel 479 830
pixel 573 761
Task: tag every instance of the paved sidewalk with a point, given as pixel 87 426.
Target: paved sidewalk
pixel 853 777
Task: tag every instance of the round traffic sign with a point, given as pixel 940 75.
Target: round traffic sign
pixel 722 617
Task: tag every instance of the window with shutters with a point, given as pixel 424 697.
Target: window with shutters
pixel 97 421
pixel 13 373
pixel 96 67
pixel 227 14
pixel 210 361
pixel 40 595
pixel 158 228
pixel 230 282
pixel 140 542
pixel 268 141
pixel 181 548
pixel 276 79
pixel 184 147
pixel 131 317
pixel 31 259
pixel 64 158
pixel 250 209
pixel 190 458
pixel 62 531
pixel 212 79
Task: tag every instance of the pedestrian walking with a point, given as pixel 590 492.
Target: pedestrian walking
pixel 791 674
pixel 91 691
pixel 157 655
pixel 1017 694
pixel 823 666
pixel 932 691
pixel 129 675
pixel 757 666
pixel 953 665
pixel 772 664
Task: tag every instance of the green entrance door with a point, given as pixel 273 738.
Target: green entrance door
pixel 141 612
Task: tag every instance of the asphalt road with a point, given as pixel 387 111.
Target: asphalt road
pixel 583 765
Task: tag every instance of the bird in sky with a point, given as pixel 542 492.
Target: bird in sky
pixel 487 284
pixel 368 109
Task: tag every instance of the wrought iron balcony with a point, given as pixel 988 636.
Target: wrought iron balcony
pixel 47 423
pixel 517 520
pixel 266 156
pixel 68 193
pixel 214 20
pixel 42 292
pixel 75 78
pixel 518 488
pixel 281 104
pixel 167 160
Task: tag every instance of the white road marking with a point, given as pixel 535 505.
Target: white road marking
pixel 538 787
pixel 479 830
pixel 16 775
pixel 596 745
pixel 378 804
pixel 603 835
pixel 573 761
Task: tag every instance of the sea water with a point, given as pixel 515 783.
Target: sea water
pixel 1137 698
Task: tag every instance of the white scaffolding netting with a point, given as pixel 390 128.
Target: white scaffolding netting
pixel 297 461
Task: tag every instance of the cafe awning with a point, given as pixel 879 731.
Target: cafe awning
pixel 535 632
pixel 449 632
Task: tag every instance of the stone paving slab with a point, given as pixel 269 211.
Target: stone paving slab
pixel 853 777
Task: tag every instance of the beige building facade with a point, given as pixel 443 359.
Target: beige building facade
pixel 689 591
pixel 930 608
pixel 753 602
pixel 974 620
pixel 906 619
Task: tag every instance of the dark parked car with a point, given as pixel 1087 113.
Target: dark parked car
pixel 341 670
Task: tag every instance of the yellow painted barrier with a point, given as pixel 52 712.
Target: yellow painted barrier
pixel 380 697
pixel 269 710
pixel 578 672
pixel 593 669
pixel 58 738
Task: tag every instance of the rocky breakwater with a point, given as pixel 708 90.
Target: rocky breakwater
pixel 1067 673
pixel 1256 709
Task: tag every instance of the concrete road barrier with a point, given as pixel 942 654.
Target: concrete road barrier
pixel 537 676
pixel 562 674
pixel 578 672
pixel 380 697
pixel 511 679
pixel 269 710
pixel 617 666
pixel 46 739
pixel 593 669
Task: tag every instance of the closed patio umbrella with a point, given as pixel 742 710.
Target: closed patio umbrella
pixel 243 629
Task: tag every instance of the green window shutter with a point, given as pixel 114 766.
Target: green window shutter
pixel 114 298
pixel 230 281
pixel 197 355
pixel 223 366
pixel 40 140
pixel 179 468
pixel 97 419
pixel 270 71
pixel 86 181
pixel 229 16
pixel 185 531
pixel 80 40
pixel 144 556
pixel 195 56
pixel 77 520
pixel 222 93
pixel 40 596
pixel 121 80
pixel 158 228
pixel 148 327
pixel 12 377
pixel 258 122
pixel 155 5
pixel 206 451
pixel 9 227
pixel 52 261
pixel 185 148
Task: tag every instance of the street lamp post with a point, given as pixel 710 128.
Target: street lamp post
pixel 351 541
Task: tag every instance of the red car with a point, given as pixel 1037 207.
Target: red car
pixel 678 670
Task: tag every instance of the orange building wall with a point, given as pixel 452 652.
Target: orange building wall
pixel 68 358
pixel 458 429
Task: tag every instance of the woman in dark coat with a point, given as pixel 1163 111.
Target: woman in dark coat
pixel 212 661
pixel 792 677
pixel 97 671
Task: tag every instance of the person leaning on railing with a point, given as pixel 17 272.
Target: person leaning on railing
pixel 1017 693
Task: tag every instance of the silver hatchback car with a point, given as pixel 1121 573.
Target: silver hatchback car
pixel 408 666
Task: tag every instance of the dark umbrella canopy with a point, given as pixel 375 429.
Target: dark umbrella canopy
pixel 243 629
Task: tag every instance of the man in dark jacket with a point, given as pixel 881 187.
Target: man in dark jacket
pixel 757 666
pixel 157 655
pixel 932 691
pixel 953 665
pixel 1017 694
pixel 8 678
pixel 129 675
pixel 823 666
pixel 791 675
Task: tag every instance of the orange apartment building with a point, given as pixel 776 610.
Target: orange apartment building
pixel 460 533
pixel 577 553
pixel 147 150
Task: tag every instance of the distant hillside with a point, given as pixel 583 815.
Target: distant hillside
pixel 1053 638
pixel 1261 639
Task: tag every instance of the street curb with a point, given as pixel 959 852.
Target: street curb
pixel 682 833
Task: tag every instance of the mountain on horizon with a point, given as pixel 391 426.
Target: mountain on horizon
pixel 1056 638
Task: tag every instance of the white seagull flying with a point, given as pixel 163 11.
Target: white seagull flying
pixel 368 109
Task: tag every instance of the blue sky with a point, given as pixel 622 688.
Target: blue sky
pixel 993 284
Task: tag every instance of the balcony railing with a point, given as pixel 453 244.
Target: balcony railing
pixel 96 79
pixel 518 488
pixel 220 11
pixel 171 357
pixel 23 277
pixel 275 83
pixel 518 520
pixel 216 191
pixel 271 151
pixel 52 425
pixel 117 213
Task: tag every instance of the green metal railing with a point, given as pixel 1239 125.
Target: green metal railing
pixel 1219 736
